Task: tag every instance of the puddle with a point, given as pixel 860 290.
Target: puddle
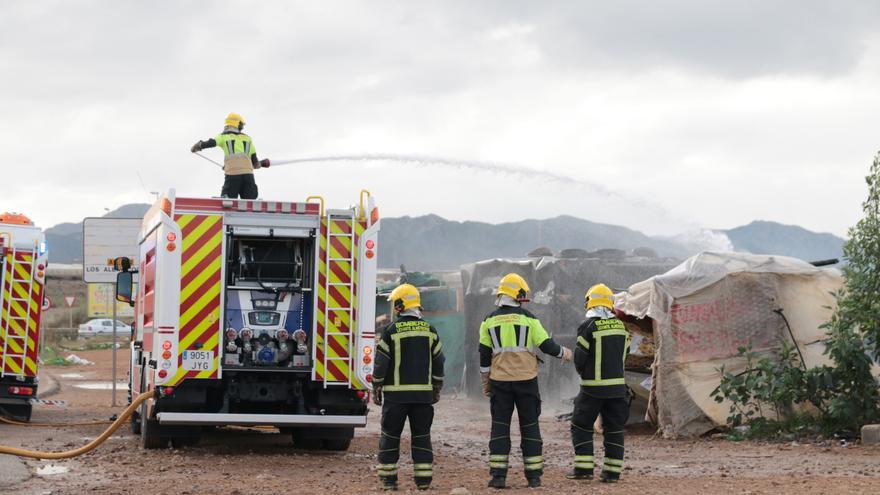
pixel 71 375
pixel 101 385
pixel 51 469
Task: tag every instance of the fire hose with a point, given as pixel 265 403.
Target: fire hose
pixel 87 447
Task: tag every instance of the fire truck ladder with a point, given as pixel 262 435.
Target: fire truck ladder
pixel 343 265
pixel 23 321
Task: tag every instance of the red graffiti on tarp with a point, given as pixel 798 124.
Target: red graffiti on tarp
pixel 716 329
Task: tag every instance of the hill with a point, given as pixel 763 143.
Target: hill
pixel 762 237
pixel 431 242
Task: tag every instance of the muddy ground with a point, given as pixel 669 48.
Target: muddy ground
pixel 251 461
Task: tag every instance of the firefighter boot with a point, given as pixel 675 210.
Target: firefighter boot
pixel 498 482
pixel 580 474
pixel 606 477
pixel 388 483
pixel 534 481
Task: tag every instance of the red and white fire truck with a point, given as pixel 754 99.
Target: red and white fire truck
pixel 253 312
pixel 22 281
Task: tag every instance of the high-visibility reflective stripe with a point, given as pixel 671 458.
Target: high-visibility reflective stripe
pixel 613 462
pixel 485 369
pixel 583 343
pixel 438 348
pixel 383 345
pixel 597 371
pixel 534 467
pixel 583 458
pixel 423 474
pixel 601 383
pixel 408 388
pixel 499 457
pixel 612 469
pixel 499 465
pixel 605 333
pixel 537 458
pixel 493 334
pixel 499 350
pixel 423 466
pixel 584 465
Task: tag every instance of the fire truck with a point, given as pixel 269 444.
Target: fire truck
pixel 22 281
pixel 253 313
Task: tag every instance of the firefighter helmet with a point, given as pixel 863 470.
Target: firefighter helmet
pixel 405 297
pixel 599 295
pixel 514 286
pixel 234 120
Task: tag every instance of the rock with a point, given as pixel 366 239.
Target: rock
pixel 871 435
pixel 460 491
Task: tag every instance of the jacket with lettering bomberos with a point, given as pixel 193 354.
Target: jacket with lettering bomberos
pixel 409 361
pixel 602 346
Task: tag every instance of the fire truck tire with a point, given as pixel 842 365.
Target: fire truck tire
pixel 136 423
pixel 300 441
pixel 338 444
pixel 149 434
pixel 181 442
pixel 17 412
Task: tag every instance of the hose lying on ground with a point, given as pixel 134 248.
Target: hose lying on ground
pixel 89 446
pixel 58 425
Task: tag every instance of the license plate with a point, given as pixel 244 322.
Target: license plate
pixel 198 360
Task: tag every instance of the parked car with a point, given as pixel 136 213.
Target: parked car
pixel 103 326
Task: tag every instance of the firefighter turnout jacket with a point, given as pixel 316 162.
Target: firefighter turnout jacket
pixel 239 153
pixel 602 346
pixel 409 361
pixel 508 337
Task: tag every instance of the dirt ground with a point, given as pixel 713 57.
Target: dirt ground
pixel 251 461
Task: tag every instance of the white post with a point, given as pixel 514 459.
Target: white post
pixel 113 302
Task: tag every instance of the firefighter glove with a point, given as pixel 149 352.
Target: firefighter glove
pixel 487 387
pixel 566 354
pixel 196 147
pixel 377 396
pixel 436 397
pixel 264 163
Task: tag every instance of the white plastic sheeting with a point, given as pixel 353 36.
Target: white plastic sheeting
pixel 713 303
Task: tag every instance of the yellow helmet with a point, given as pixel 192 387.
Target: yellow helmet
pixel 599 295
pixel 234 120
pixel 514 286
pixel 404 297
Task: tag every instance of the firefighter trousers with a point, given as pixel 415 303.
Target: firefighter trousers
pixel 614 414
pixel 394 415
pixel 525 397
pixel 242 185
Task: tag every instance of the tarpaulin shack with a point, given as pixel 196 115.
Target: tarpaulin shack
pixel 704 309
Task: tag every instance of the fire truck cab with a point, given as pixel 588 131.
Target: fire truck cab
pixel 23 261
pixel 252 312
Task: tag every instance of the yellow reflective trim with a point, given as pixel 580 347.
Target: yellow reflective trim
pixel 599 383
pixel 583 342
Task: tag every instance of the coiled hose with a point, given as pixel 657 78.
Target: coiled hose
pixel 35 454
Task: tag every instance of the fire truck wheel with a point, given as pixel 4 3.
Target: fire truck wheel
pixel 338 444
pixel 181 442
pixel 300 441
pixel 18 412
pixel 150 438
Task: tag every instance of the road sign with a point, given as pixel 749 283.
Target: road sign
pixel 69 300
pixel 105 239
pixel 101 299
pixel 47 304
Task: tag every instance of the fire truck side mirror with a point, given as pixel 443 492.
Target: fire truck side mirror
pixel 124 287
pixel 122 264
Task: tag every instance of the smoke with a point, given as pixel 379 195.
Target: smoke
pixel 698 240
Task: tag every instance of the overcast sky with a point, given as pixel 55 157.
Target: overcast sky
pixel 661 116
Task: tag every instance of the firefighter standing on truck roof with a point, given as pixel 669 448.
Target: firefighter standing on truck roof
pixel 509 374
pixel 602 345
pixel 409 374
pixel 239 158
